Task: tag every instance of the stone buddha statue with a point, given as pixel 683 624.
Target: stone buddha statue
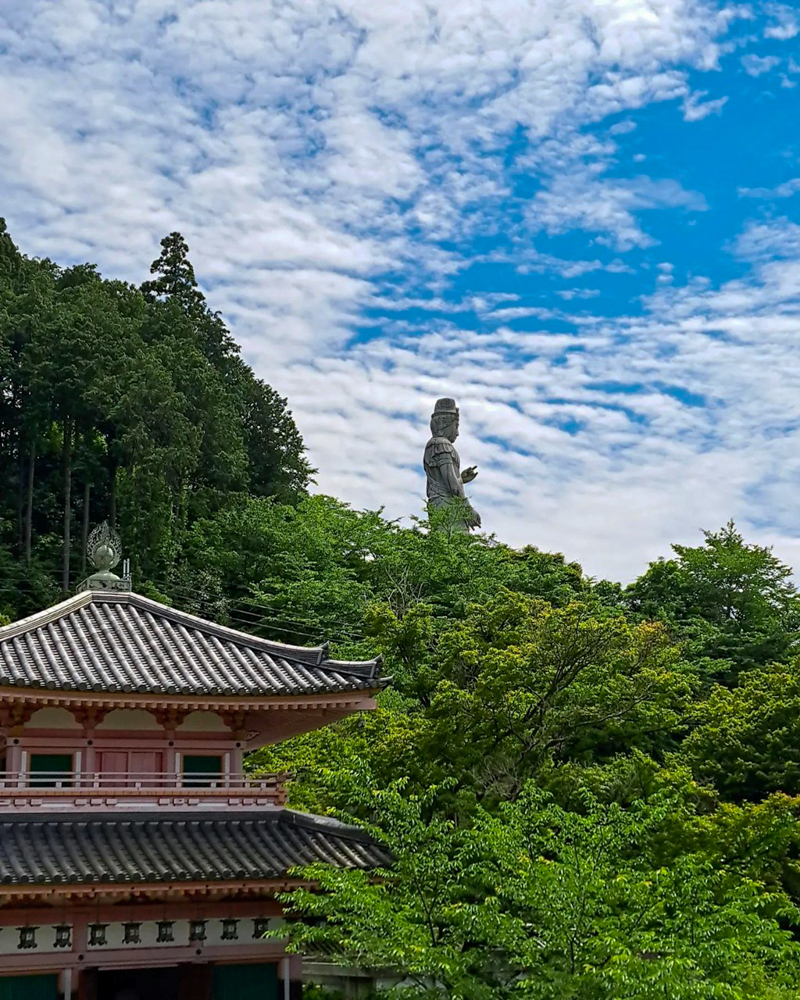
pixel 443 466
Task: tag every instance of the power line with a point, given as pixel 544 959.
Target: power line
pixel 245 618
pixel 250 618
pixel 250 621
pixel 261 606
pixel 241 615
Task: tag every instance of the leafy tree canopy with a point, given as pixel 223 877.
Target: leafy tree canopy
pixel 124 403
pixel 544 903
pixel 585 791
pixel 747 739
pixel 731 602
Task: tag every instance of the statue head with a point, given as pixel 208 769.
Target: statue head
pixel 444 419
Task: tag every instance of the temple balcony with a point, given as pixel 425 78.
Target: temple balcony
pixel 42 790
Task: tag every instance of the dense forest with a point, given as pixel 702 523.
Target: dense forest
pixel 127 404
pixel 588 791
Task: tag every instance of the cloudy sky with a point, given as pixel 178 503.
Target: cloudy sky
pixel 579 217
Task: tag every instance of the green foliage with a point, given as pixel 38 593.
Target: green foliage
pixel 731 603
pixel 540 902
pixel 747 740
pixel 311 991
pixel 123 403
pixel 587 791
pixel 317 569
pixel 518 687
pixel 525 684
pixel 537 782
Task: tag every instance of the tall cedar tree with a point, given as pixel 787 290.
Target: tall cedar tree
pixel 127 403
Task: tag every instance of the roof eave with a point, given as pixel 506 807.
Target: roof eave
pixel 351 675
pixel 354 699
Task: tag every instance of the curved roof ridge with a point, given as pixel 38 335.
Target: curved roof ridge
pixel 312 655
pixel 39 618
pixel 361 668
pixel 328 823
pixel 60 642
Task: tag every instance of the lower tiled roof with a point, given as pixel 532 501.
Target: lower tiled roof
pixel 129 848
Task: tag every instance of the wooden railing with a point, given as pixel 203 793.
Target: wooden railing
pixel 56 788
pixel 131 779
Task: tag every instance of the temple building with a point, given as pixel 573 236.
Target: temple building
pixel 138 860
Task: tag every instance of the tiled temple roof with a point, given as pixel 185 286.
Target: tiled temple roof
pixel 99 641
pixel 83 849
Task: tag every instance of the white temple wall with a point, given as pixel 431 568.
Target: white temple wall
pixel 52 718
pixel 202 722
pixel 132 720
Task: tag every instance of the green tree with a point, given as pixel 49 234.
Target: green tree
pixel 249 439
pixel 124 403
pixel 175 279
pixel 275 451
pixel 731 603
pixel 747 740
pixel 538 902
pixel 515 689
pixel 524 684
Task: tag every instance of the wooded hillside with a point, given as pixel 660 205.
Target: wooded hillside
pixel 125 403
pixel 589 791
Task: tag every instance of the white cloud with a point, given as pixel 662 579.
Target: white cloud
pixel 579 200
pixel 695 109
pixel 623 127
pixel 309 148
pixel 764 241
pixel 757 65
pixel 785 23
pixel 578 293
pixel 784 190
pixel 240 109
pixel 586 466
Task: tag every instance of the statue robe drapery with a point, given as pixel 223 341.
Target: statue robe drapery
pixel 443 469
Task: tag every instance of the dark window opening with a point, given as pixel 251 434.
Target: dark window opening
pixel 97 935
pixel 230 930
pixel 139 984
pixel 63 938
pixel 197 930
pixel 132 933
pixel 166 931
pixel 27 937
pixel 51 770
pixel 202 772
pixel 29 987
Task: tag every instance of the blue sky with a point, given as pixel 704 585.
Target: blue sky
pixel 579 217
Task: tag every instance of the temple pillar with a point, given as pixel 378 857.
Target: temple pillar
pixel 65 985
pixel 291 986
pixel 13 758
pixel 195 982
pixel 87 984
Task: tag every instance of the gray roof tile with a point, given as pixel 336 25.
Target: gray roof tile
pixel 89 848
pixel 113 642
